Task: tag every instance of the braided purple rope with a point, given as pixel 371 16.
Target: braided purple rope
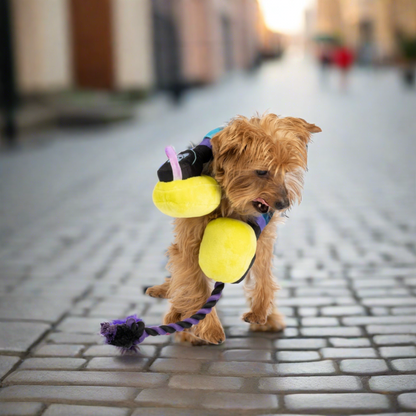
pixel 128 333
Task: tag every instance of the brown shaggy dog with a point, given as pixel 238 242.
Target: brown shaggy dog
pixel 259 164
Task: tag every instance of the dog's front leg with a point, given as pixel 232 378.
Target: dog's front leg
pixel 159 291
pixel 261 288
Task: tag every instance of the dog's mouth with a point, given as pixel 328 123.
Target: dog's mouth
pixel 261 205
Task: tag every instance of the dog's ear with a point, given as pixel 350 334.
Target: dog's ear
pixel 301 128
pixel 312 128
pixel 232 140
pixel 221 149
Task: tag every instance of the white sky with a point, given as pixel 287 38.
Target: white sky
pixel 285 16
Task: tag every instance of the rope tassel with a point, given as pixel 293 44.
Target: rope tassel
pixel 128 333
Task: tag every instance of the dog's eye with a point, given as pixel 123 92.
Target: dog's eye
pixel 261 172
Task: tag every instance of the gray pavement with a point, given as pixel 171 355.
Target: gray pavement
pixel 80 237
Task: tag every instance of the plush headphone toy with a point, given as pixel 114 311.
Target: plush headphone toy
pixel 228 246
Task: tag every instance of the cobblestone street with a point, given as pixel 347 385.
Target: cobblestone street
pixel 80 238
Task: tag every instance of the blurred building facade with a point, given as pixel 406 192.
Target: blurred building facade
pixel 120 45
pixel 370 27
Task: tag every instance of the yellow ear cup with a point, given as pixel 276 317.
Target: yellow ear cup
pixel 227 250
pixel 188 198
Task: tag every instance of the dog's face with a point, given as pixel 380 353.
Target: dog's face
pixel 260 162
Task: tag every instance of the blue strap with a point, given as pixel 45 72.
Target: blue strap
pixel 213 132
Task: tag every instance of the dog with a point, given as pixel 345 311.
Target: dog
pixel 259 164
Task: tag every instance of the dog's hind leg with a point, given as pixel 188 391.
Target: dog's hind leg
pixel 209 330
pixel 261 288
pixel 189 288
pixel 159 291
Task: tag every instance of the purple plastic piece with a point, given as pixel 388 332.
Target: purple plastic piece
pixel 206 142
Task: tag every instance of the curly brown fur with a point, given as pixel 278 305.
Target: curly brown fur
pixel 263 159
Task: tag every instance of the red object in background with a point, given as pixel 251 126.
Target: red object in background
pixel 343 57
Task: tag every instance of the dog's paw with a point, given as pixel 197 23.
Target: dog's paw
pixel 253 318
pixel 210 333
pixel 189 337
pixel 275 323
pixel 157 292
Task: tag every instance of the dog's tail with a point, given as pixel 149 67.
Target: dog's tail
pixel 128 333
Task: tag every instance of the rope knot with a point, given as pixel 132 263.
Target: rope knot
pixel 125 334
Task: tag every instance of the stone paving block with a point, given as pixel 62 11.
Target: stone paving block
pixel 68 394
pixel 74 410
pixel 110 351
pixel 404 364
pixel 52 363
pixel 337 401
pixel 6 364
pixel 364 366
pixel 390 301
pixel 204 382
pixel 287 333
pixel 248 343
pixel 301 344
pixel 114 307
pixel 349 352
pixel 164 411
pixel 392 352
pixel 72 338
pixel 394 339
pixel 177 365
pixel 307 301
pixel 59 350
pixel 81 325
pixel 383 320
pixel 361 283
pixel 122 363
pixel 246 355
pixel 391 329
pixel 308 311
pixel 330 282
pixel 88 378
pixel 343 310
pixel 240 401
pixel 164 340
pixel 322 291
pixel 394 383
pixel 328 331
pixel 372 293
pixel 404 311
pixel 407 401
pixel 235 368
pixel 189 352
pixel 33 308
pixel 306 368
pixel 388 414
pixel 170 397
pixel 379 311
pixel 298 356
pixel 20 409
pixel 411 281
pixel 327 321
pixel 350 342
pixel 18 337
pixel 234 321
pixel 315 383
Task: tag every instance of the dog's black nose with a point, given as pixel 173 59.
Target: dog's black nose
pixel 282 204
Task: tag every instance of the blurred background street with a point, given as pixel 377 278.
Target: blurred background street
pixel 84 131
